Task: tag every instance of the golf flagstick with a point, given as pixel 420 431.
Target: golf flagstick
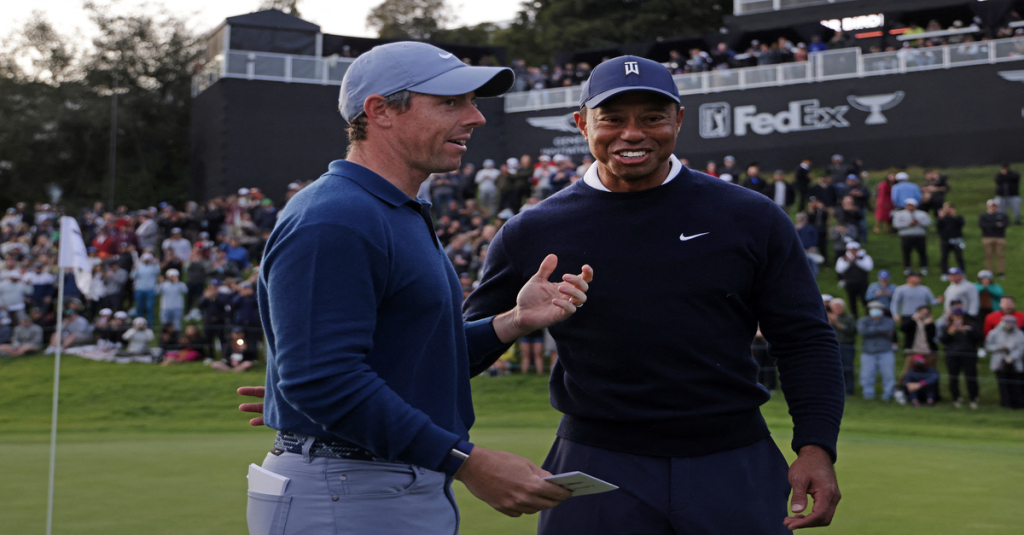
pixel 56 391
pixel 71 253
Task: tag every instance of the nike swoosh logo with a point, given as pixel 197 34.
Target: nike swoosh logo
pixel 684 237
pixel 444 56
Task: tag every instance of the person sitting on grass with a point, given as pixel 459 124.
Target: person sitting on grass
pixel 27 338
pixel 920 382
pixel 137 339
pixel 191 346
pixel 239 356
pixel 77 332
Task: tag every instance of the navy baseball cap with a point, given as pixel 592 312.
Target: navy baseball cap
pixel 419 67
pixel 955 271
pixel 627 73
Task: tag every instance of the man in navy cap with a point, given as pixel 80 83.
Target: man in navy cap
pixel 368 358
pixel 655 377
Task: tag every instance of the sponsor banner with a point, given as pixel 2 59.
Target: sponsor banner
pixel 963 116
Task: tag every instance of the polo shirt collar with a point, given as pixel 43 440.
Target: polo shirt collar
pixel 373 183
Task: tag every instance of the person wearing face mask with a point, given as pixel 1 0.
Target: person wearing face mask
pixel 877 333
pixel 1005 345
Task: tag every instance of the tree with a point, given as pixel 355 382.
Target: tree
pixel 410 19
pixel 55 110
pixel 290 7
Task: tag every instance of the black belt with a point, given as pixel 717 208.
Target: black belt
pixel 293 443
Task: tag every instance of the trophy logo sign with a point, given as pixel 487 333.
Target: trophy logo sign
pixel 875 104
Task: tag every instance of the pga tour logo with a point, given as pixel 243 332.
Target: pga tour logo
pixel 719 119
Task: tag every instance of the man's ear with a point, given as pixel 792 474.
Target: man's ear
pixel 376 110
pixel 581 121
pixel 679 119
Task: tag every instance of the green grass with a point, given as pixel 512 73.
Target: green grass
pixel 147 449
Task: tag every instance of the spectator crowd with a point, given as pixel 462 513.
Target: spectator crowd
pixel 177 285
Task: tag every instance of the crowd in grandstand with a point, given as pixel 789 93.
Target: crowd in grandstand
pixel 177 285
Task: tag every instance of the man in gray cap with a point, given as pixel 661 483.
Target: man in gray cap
pixel 368 357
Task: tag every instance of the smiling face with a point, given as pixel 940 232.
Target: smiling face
pixel 632 137
pixel 431 136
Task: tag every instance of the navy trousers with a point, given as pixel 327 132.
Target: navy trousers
pixel 742 491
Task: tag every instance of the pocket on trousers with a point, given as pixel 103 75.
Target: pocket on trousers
pixel 375 480
pixel 267 514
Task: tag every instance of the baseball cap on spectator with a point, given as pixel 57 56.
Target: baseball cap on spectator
pixel 106 312
pixel 985 274
pixel 512 163
pixel 729 159
pixel 876 304
pixel 204 234
pixel 910 201
pixel 1010 319
pixel 245 286
pixel 506 214
pixel 12 210
pixel 175 230
pixel 294 185
pixel 853 245
pixel 146 256
pixel 956 311
pixel 955 271
pixel 627 73
pixel 902 176
pixel 837 157
pixel 243 191
pixel 852 176
pixel 215 282
pixel 173 272
pixel 826 297
pixel 918 359
pixel 992 202
pixel 913 273
pixel 839 301
pixel 884 274
pixel 121 315
pixel 544 158
pixel 418 67
pixel 488 164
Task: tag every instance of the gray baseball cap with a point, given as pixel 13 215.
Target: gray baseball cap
pixel 419 67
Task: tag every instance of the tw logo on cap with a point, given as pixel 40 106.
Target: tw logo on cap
pixel 632 67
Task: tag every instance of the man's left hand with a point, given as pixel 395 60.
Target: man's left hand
pixel 541 303
pixel 812 473
pixel 256 392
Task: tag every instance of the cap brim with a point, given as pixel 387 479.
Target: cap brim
pixel 598 99
pixel 484 81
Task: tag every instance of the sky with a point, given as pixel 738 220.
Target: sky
pixel 339 17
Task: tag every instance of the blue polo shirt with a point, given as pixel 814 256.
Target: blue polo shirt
pixel 361 307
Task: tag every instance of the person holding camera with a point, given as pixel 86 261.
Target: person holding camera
pixel 854 267
pixel 961 340
pixel 951 237
pixel 1005 345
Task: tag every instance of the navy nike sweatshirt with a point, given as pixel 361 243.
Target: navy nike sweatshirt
pixel 658 361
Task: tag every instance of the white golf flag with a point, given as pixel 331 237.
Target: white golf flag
pixel 72 254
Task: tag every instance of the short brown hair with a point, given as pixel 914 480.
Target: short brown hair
pixel 400 101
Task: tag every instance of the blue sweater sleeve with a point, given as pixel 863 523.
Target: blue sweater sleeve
pixel 324 335
pixel 792 319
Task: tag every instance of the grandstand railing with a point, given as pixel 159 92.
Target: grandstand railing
pixel 822 66
pixel 745 7
pixel 269 66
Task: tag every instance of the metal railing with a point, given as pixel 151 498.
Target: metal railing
pixel 822 66
pixel 273 67
pixel 745 7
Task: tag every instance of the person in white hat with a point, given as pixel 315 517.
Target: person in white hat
pixel 487 190
pixel 172 294
pixel 912 226
pixel 905 189
pixel 854 268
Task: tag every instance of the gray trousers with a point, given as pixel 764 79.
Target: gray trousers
pixel 334 496
pixel 1010 204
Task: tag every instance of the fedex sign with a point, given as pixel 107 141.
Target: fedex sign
pixel 718 120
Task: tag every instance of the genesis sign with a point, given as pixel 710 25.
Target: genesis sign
pixel 719 119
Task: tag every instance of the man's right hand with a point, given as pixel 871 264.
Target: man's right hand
pixel 509 483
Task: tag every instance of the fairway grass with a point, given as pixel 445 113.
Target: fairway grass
pixel 179 466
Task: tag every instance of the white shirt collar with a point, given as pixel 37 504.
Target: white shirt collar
pixel 591 179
